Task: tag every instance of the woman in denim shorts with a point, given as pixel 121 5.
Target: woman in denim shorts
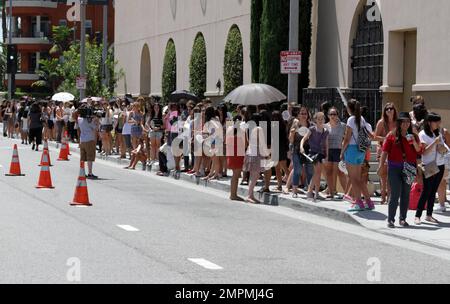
pixel 156 131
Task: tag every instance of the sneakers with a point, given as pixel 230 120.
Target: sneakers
pixel 310 197
pixel 440 209
pixel 358 206
pixel 348 199
pixel 319 197
pixel 370 205
pixel 91 176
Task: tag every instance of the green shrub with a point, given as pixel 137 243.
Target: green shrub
pixel 233 70
pixel 255 38
pixel 169 76
pixel 197 67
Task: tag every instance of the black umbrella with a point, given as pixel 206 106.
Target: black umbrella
pixel 179 95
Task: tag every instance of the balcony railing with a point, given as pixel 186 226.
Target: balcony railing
pixel 34 3
pixel 371 98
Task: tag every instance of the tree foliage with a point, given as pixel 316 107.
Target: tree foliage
pixel 169 75
pixel 273 36
pixel 233 62
pixel 61 39
pixel 198 67
pixel 59 74
pixel 274 39
pixel 255 38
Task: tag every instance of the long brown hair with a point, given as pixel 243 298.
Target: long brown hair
pixel 385 116
pixel 355 108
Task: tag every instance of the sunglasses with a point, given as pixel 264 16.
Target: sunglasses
pixel 332 114
pixel 389 109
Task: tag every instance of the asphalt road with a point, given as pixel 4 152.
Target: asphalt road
pixel 44 240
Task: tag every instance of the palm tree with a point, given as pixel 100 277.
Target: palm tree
pixel 48 74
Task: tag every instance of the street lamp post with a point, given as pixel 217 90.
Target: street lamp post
pixel 105 46
pixel 293 46
pixel 10 75
pixel 83 45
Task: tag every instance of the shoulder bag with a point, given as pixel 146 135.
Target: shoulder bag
pixel 409 172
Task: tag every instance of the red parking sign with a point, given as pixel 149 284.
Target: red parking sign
pixel 291 62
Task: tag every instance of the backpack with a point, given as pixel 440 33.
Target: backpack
pixel 363 140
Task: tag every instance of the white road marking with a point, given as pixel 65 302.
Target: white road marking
pixel 206 264
pixel 128 228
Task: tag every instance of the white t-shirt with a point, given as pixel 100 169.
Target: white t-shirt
pixel 431 156
pixel 108 119
pixel 351 123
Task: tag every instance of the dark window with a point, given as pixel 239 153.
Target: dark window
pixel 368 48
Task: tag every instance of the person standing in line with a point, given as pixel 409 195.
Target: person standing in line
pixel 433 161
pixel 126 131
pixel 36 126
pixel 337 129
pixel 299 161
pixel 401 148
pixel 386 124
pixel 255 154
pixel 354 156
pixel 283 145
pixel 59 116
pixel 136 121
pixel 442 192
pixel 317 137
pixel 235 151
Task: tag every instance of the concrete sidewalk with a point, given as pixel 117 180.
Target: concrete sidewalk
pixel 429 234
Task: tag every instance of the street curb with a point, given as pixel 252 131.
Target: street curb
pixel 266 198
pixel 278 200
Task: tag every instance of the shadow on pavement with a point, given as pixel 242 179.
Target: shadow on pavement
pixel 372 215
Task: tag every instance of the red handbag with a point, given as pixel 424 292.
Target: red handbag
pixel 416 192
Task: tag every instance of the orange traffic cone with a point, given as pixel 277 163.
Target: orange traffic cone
pixel 66 135
pixel 45 180
pixel 81 197
pixel 42 158
pixel 14 169
pixel 63 154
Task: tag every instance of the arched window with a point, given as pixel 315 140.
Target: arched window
pixel 368 51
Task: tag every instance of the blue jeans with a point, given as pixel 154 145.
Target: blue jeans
pixel 400 191
pixel 298 169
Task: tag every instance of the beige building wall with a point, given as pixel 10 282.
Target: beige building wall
pixel 416 48
pixel 154 22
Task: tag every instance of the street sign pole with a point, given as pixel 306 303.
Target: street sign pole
pixel 83 45
pixel 10 75
pixel 293 46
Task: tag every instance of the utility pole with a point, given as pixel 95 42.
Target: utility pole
pixel 105 45
pixel 293 46
pixel 83 45
pixel 10 75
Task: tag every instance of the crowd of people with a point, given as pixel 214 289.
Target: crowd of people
pixel 307 151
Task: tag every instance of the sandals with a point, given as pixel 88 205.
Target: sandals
pixel 432 220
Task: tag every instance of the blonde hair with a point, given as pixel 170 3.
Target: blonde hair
pixel 318 115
